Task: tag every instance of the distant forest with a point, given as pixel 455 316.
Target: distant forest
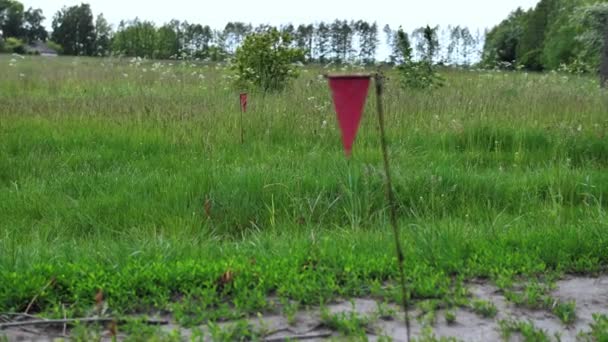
pixel 556 34
pixel 75 31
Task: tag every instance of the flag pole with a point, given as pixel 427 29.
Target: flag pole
pixel 390 195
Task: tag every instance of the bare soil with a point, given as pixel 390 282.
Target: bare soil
pixel 590 294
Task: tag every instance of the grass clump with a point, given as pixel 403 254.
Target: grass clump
pixel 350 324
pixel 484 308
pixel 527 330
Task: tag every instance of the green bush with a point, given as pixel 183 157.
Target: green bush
pixel 265 61
pixel 419 75
pixel 14 45
pixel 55 46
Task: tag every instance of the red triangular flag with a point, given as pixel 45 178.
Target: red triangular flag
pixel 349 94
pixel 244 102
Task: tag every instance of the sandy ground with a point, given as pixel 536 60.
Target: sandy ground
pixel 590 294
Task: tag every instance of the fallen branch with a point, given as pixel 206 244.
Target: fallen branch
pixel 77 320
pixel 19 315
pixel 299 337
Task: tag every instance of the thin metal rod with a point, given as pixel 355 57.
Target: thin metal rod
pixel 390 195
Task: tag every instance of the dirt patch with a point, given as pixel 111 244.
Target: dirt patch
pixel 590 295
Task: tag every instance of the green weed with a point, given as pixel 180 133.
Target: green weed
pixel 527 330
pixel 484 308
pixel 347 323
pixel 450 317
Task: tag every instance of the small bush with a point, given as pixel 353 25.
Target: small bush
pixel 419 75
pixel 54 46
pixel 14 45
pixel 265 61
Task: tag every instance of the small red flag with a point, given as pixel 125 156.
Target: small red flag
pixel 349 94
pixel 244 102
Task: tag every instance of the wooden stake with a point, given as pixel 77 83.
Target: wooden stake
pixel 390 195
pixel 604 59
pixel 242 133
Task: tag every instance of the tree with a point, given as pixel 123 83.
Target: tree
pixel 427 44
pixel 564 34
pixel 167 42
pixel 388 34
pixel 341 40
pixel 103 32
pixel 289 29
pixel 455 42
pixel 592 21
pixel 265 61
pixel 322 42
pixel 234 34
pixel 11 18
pixel 467 45
pixel 530 47
pixel 417 74
pixel 500 48
pixel 33 28
pixel 560 45
pixel 402 48
pixel 136 39
pixel 304 37
pixel 74 30
pixel 197 39
pixel 368 41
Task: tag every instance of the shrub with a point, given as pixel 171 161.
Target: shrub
pixel 14 45
pixel 265 60
pixel 419 75
pixel 54 46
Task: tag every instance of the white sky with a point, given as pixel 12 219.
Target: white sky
pixel 411 14
pixel 408 13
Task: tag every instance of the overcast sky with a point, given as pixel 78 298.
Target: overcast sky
pixel 216 13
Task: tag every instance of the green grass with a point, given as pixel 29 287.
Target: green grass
pixel 129 177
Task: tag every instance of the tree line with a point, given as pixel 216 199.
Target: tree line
pixel 556 34
pixel 76 31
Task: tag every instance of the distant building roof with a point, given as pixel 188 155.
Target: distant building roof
pixel 41 48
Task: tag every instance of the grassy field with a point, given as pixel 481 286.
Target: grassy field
pixel 129 177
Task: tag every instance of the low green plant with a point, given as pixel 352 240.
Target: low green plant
pixel 450 317
pixel 428 310
pixel 238 331
pixel 599 329
pixel 527 330
pixel 484 308
pixel 428 335
pixel 536 296
pixel 565 311
pixel 385 311
pixel 385 338
pixel 290 310
pixel 347 323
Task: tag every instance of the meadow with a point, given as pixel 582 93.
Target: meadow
pixel 128 177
